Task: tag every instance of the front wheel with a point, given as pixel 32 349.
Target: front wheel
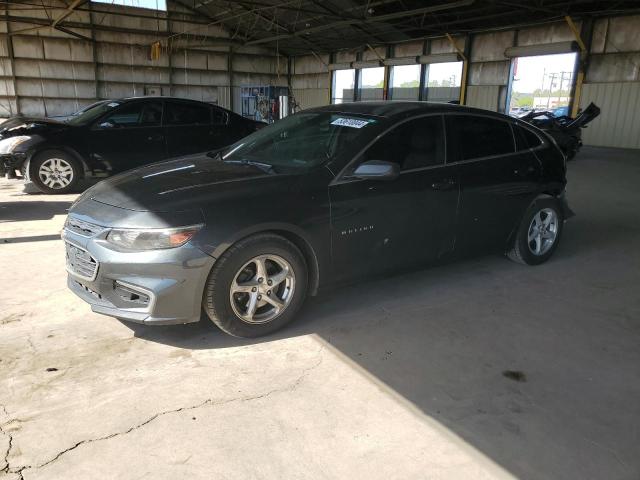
pixel 54 172
pixel 256 287
pixel 539 233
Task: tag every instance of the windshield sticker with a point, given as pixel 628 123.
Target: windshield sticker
pixel 350 122
pixel 113 104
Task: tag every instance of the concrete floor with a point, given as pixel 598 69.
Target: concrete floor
pixel 398 378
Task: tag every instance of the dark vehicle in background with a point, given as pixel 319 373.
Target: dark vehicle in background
pixel 322 197
pixel 566 131
pixel 114 136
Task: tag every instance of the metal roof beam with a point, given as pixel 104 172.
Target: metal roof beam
pixel 364 21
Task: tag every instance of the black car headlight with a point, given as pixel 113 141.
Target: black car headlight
pixel 8 145
pixel 152 239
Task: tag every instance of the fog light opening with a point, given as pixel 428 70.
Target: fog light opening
pixel 130 294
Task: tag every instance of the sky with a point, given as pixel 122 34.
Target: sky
pixel 531 70
pixel 152 4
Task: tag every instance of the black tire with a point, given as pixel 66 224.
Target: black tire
pixel 521 251
pixel 216 297
pixel 58 187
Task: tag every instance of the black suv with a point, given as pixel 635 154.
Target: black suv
pixel 114 136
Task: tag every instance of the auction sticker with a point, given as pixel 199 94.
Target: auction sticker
pixel 350 122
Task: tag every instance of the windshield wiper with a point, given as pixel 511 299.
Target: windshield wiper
pixel 263 166
pixel 215 154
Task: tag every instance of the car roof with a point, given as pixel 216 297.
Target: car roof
pixel 398 108
pixel 161 97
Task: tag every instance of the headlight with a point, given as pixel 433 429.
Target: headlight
pixel 152 239
pixel 9 144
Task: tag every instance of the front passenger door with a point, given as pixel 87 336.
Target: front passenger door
pixel 384 225
pixel 129 136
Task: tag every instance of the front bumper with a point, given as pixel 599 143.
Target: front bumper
pixel 11 161
pixel 160 287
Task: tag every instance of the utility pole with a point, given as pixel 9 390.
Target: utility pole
pixel 552 76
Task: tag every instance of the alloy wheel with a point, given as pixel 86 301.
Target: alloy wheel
pixel 262 289
pixel 56 173
pixel 543 231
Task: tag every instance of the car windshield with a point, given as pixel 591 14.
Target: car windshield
pixel 92 113
pixel 301 141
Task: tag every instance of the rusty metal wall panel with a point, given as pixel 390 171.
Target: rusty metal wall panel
pixel 619 122
pixel 311 97
pixel 483 96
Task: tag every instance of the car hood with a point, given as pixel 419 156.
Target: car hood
pixel 28 125
pixel 184 184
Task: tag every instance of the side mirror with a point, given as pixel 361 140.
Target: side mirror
pixel 377 170
pixel 107 124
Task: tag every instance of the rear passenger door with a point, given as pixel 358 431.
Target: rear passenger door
pixel 188 127
pixel 497 182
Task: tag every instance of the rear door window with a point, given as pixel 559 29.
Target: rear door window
pixel 187 114
pixel 220 117
pixel 525 138
pixel 470 137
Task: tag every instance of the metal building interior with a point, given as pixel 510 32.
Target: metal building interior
pixel 477 369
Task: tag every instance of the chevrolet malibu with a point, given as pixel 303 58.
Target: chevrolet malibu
pixel 322 197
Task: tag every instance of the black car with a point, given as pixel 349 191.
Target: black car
pixel 566 131
pixel 318 198
pixel 114 136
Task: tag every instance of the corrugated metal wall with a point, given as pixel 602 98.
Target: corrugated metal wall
pixel 311 97
pixel 483 96
pixel 44 71
pixel 613 83
pixel 619 122
pixel 310 80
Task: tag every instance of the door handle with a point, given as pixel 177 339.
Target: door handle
pixel 153 138
pixel 447 184
pixel 524 172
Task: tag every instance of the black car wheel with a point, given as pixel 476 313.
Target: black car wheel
pixel 539 232
pixel 257 286
pixel 54 171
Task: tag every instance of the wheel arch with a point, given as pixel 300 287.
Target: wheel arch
pixel 295 235
pixel 516 227
pixel 84 167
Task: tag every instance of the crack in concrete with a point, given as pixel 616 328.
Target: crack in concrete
pixel 6 468
pixel 208 402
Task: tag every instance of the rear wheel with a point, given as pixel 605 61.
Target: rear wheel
pixel 54 171
pixel 539 233
pixel 256 287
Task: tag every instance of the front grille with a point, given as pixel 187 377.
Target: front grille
pixel 80 263
pixel 83 228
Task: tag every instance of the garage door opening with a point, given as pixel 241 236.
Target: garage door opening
pixel 541 83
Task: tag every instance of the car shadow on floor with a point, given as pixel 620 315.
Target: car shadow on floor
pixel 527 379
pixel 31 238
pixel 21 211
pixel 535 367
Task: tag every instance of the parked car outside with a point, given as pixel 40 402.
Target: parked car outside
pixel 115 136
pixel 322 197
pixel 566 131
pixel 561 111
